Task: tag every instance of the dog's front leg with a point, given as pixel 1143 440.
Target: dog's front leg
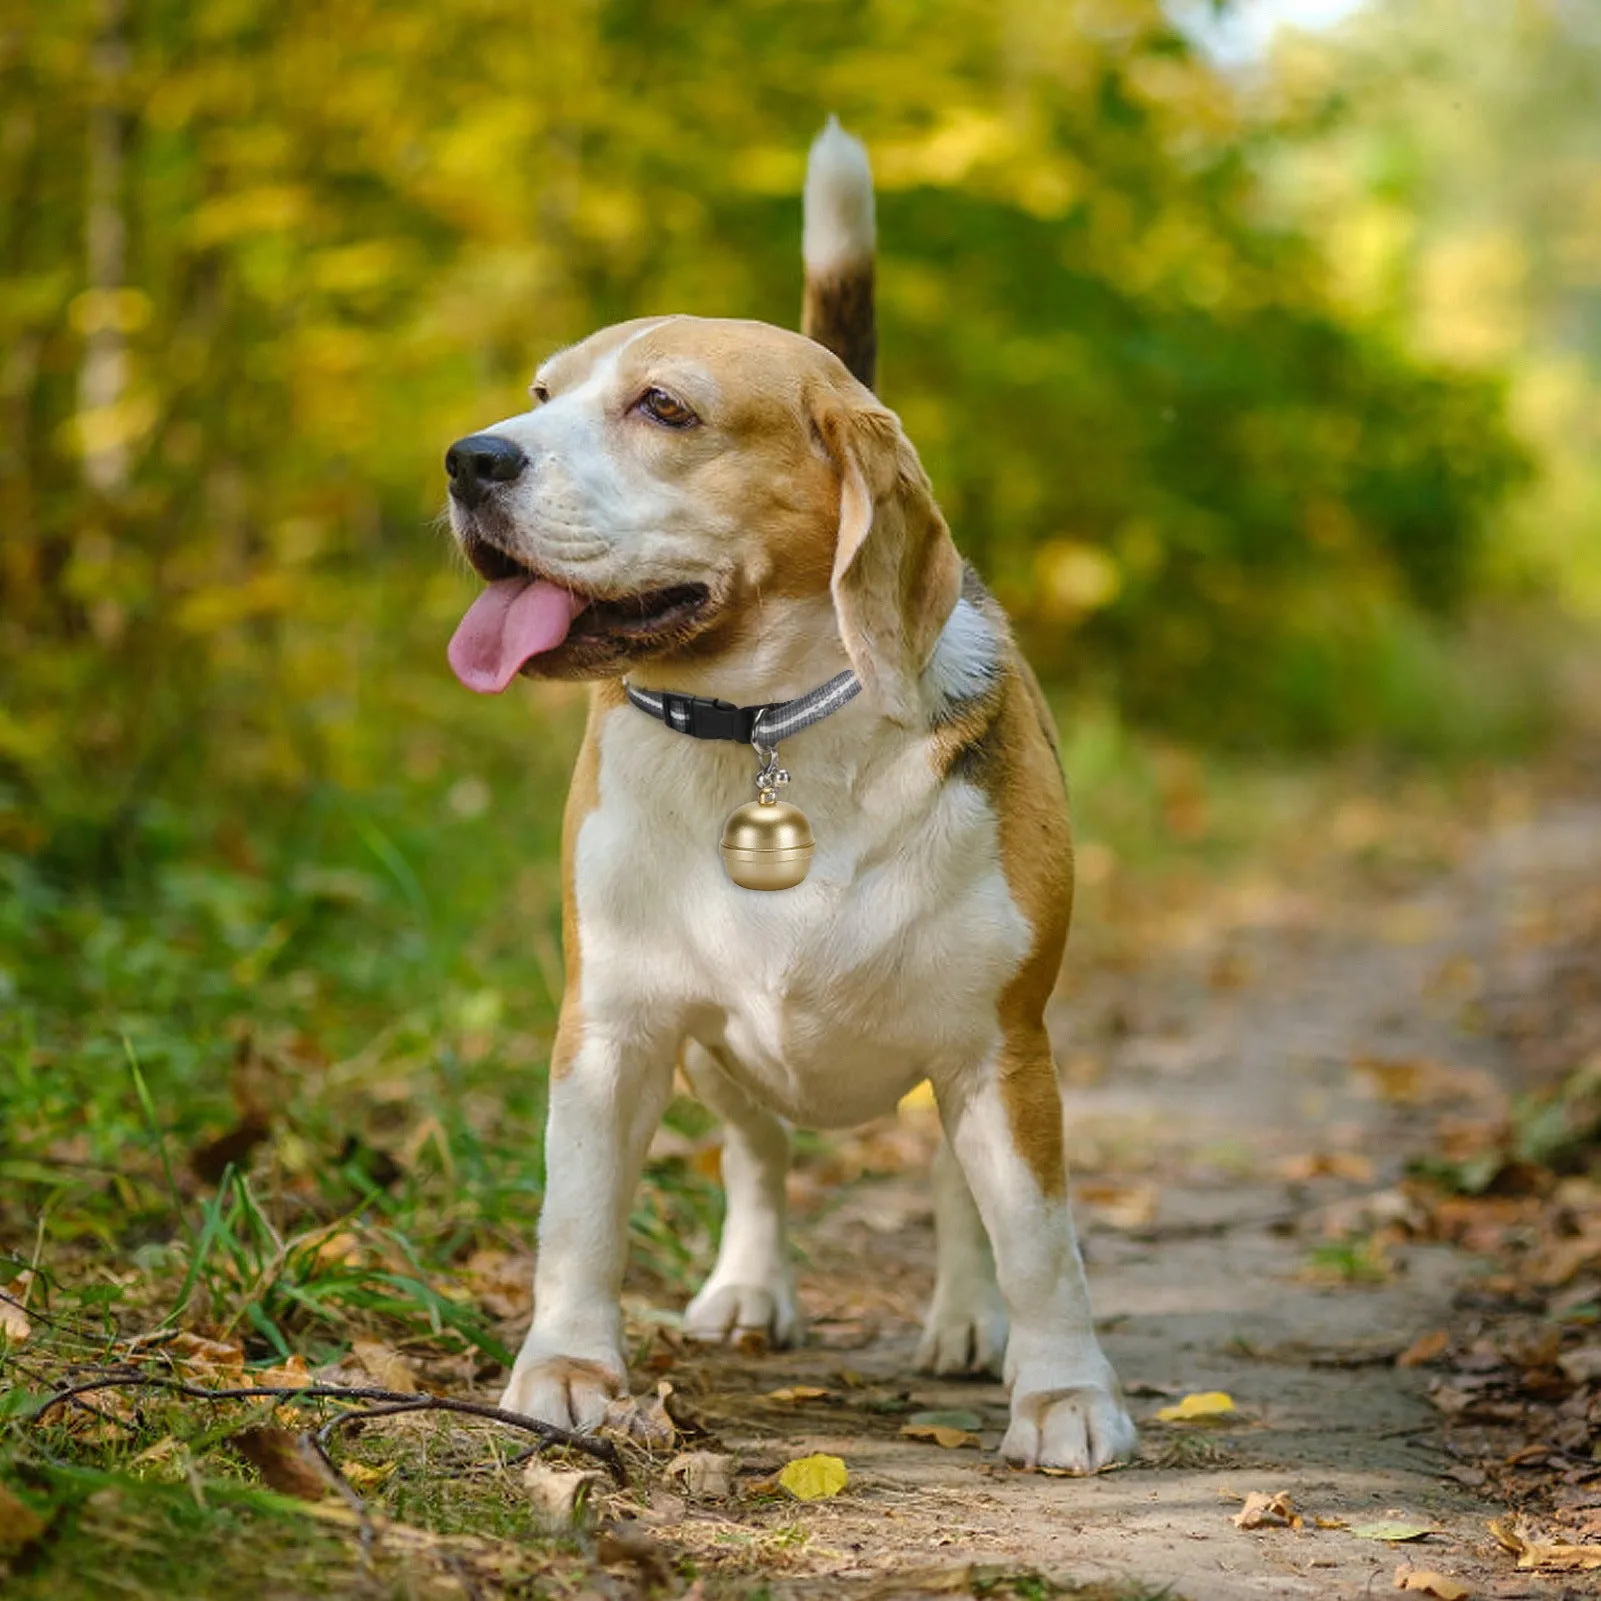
pixel 605 1103
pixel 1004 1123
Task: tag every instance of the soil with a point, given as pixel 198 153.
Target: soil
pixel 1250 1067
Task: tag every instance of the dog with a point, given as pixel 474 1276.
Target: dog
pixel 723 513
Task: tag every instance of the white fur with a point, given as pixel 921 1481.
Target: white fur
pixel 595 516
pixel 823 1005
pixel 838 229
pixel 966 655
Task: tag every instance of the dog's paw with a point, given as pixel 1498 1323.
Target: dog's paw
pixel 569 1391
pixel 732 1311
pixel 1079 1428
pixel 963 1340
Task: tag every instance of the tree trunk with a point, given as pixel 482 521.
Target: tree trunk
pixel 103 372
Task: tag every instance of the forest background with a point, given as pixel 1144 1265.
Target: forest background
pixel 1265 397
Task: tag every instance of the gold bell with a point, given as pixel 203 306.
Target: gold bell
pixel 767 844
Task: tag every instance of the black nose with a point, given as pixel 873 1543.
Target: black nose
pixel 479 460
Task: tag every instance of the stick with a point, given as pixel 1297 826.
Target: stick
pixel 390 1400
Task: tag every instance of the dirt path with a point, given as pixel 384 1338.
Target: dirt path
pixel 1244 1096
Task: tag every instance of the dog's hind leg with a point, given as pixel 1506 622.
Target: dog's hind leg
pixel 752 1288
pixel 965 1330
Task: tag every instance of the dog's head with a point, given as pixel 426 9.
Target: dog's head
pixel 679 487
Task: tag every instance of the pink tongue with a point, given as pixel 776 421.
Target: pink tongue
pixel 512 620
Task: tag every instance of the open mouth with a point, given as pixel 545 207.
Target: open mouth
pixel 524 617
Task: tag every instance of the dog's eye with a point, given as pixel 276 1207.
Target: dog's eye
pixel 540 391
pixel 666 409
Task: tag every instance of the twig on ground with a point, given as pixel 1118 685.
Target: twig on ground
pixel 416 1404
pixel 313 1443
pixel 389 1402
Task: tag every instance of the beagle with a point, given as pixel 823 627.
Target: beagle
pixel 701 513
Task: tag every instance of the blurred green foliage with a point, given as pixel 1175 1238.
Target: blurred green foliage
pixel 259 263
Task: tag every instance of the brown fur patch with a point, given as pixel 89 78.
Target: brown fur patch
pixel 896 571
pixel 1037 858
pixel 837 311
pixel 583 796
pixel 1002 741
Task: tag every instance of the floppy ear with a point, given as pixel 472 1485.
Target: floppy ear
pixel 897 575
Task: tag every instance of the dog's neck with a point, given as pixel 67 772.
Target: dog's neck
pixel 803 650
pixel 796 646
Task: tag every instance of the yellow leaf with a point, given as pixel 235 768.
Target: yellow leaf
pixel 940 1434
pixel 1203 1404
pixel 1428 1582
pixel 1262 1510
pixel 811 1478
pixel 797 1392
pixel 364 1475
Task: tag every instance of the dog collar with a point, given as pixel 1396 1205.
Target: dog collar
pixel 766 843
pixel 701 717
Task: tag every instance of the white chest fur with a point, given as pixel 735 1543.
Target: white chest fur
pixel 828 1000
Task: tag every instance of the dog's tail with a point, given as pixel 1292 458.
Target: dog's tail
pixel 837 246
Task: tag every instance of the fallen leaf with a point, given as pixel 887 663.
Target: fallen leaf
pixel 1394 1530
pixel 283 1463
pixel 1424 1349
pixel 365 1475
pixel 1351 1165
pixel 19 1523
pixel 1330 1523
pixel 387 1366
pixel 1202 1405
pixel 797 1392
pixel 954 1418
pixel 643 1418
pixel 210 1161
pixel 1428 1582
pixel 1267 1511
pixel 1582 1366
pixel 1553 1556
pixel 290 1375
pixel 15 1324
pixel 621 1542
pixel 1402 1081
pixel 947 1437
pixel 812 1478
pixel 704 1473
pixel 503 1283
pixel 335 1248
pixel 559 1495
pixel 203 1358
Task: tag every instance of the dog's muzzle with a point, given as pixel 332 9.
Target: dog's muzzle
pixel 479 462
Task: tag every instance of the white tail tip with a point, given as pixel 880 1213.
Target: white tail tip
pixel 839 201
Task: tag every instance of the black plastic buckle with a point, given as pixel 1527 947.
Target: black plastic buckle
pixel 703 718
